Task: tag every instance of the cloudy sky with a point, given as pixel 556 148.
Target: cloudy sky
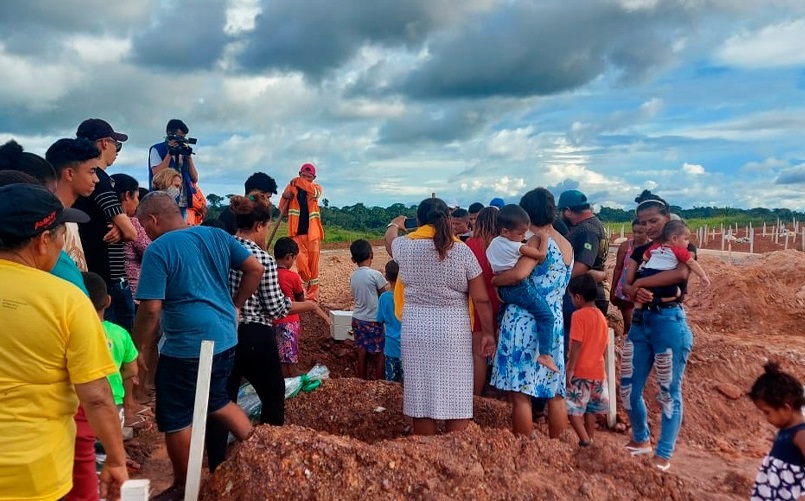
pixel 702 101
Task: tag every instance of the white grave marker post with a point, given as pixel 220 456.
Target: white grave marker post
pixel 803 240
pixel 786 239
pixel 751 240
pixel 612 414
pixel 193 482
pixel 623 229
pixel 764 228
pixel 723 241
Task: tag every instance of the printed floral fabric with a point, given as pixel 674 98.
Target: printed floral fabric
pixel 515 364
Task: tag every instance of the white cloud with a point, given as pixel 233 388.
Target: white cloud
pixel 99 50
pixel 693 169
pixel 36 85
pixel 775 45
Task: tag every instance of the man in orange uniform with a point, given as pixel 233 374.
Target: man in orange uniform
pixel 301 197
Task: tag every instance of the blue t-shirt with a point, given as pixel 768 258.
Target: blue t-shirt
pixel 66 269
pixel 188 270
pixel 386 316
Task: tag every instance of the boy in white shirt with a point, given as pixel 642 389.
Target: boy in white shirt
pixel 503 253
pixel 367 284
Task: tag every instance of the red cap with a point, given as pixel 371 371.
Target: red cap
pixel 308 169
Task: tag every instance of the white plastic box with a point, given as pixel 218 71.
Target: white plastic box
pixel 341 328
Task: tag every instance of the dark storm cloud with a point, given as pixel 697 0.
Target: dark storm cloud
pixel 544 48
pixel 36 27
pixel 423 126
pixel 794 175
pixel 183 36
pixel 316 36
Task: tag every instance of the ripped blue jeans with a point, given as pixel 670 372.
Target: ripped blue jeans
pixel 658 338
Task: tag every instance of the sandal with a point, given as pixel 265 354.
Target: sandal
pixel 588 443
pixel 638 451
pixel 664 466
pixel 138 422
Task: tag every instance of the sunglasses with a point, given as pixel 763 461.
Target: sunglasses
pixel 118 144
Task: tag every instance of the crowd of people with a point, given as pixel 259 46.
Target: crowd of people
pixel 115 287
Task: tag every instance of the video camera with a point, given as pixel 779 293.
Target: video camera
pixel 182 145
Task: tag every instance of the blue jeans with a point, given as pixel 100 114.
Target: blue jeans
pixel 526 296
pixel 658 337
pixel 121 311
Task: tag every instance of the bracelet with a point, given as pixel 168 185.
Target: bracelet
pixel 392 224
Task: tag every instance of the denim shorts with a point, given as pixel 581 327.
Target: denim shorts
pixel 175 382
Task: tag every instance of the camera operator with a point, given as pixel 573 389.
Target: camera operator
pixel 175 153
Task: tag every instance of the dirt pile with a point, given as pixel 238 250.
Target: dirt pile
pixel 765 294
pixel 371 410
pixel 306 461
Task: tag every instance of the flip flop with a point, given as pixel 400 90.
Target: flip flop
pixel 139 423
pixel 662 467
pixel 638 451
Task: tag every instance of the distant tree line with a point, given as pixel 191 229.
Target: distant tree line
pixel 359 217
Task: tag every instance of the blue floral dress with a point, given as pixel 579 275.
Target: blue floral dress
pixel 515 364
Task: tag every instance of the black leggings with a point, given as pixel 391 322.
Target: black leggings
pixel 258 361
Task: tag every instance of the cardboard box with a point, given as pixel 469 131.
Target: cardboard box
pixel 341 329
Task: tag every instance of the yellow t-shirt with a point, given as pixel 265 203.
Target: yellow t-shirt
pixel 50 339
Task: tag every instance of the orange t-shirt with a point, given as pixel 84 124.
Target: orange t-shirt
pixel 589 326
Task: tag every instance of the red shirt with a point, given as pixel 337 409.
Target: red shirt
pixel 291 286
pixel 589 326
pixel 476 245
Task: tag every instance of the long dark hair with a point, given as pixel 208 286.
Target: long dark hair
pixel 540 206
pixel 434 211
pixel 125 184
pixel 251 209
pixel 486 225
pixel 647 200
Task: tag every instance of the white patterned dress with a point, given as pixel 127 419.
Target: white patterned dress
pixel 782 473
pixel 436 339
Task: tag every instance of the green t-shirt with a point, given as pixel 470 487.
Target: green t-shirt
pixel 123 351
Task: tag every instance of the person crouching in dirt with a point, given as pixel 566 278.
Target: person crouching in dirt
pixel 438 273
pixel 659 336
pixel 257 357
pixel 301 202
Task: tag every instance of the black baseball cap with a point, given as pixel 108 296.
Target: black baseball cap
pixel 95 128
pixel 27 210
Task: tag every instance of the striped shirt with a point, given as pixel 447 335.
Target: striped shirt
pixel 268 302
pixel 102 205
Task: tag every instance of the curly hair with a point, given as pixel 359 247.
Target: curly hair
pixel 777 388
pixel 251 209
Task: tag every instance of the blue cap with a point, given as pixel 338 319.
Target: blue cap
pixel 497 202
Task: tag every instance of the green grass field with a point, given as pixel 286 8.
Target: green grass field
pixel 335 234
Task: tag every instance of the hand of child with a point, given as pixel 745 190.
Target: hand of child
pixel 324 316
pixel 705 281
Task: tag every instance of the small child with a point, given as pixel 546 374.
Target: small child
pixel 391 325
pixel 288 327
pixel 780 397
pixel 122 349
pixel 666 254
pixel 366 285
pixel 587 393
pixel 503 253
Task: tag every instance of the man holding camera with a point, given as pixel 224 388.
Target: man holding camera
pixel 175 153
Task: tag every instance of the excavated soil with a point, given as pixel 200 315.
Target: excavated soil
pixel 348 439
